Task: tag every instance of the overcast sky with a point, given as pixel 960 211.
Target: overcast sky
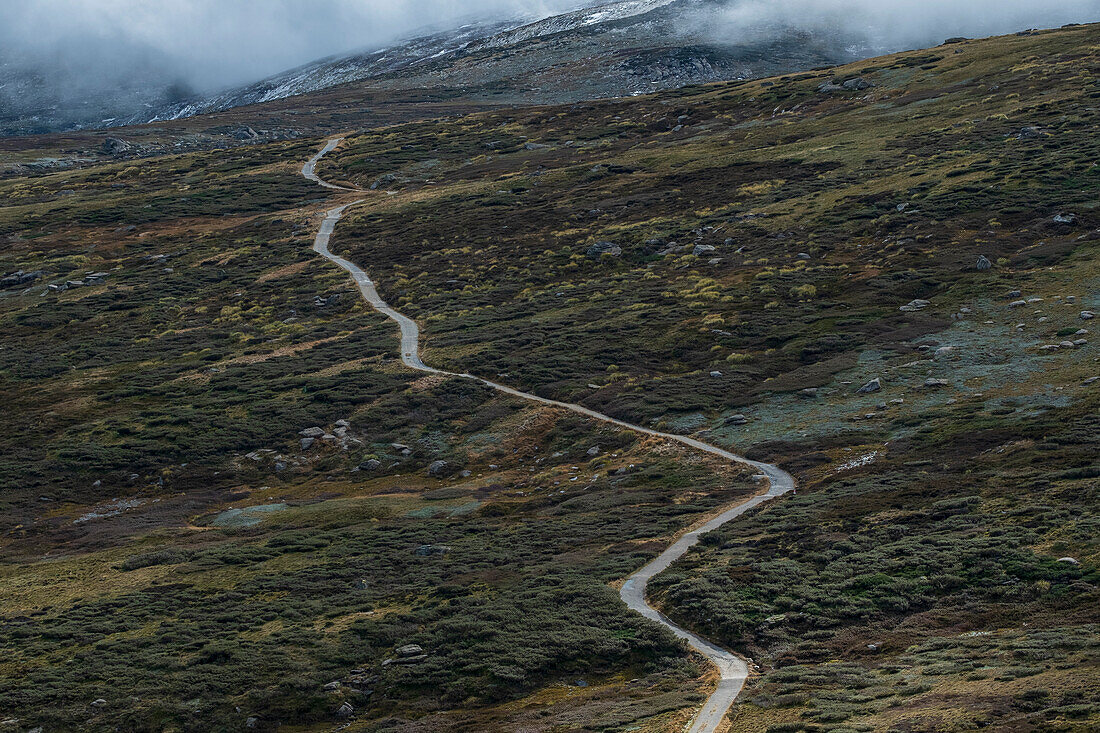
pixel 220 42
pixel 904 24
pixel 213 43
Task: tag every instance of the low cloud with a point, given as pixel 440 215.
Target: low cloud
pixel 87 60
pixel 891 25
pixel 216 43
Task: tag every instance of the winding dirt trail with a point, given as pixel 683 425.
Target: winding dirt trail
pixel 732 668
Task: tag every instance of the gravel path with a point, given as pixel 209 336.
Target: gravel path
pixel 733 669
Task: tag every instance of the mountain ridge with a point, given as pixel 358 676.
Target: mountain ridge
pixel 611 49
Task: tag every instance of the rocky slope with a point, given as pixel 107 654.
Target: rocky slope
pixel 610 50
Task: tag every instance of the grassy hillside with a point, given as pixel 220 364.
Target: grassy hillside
pixel 174 549
pixel 734 261
pixel 768 238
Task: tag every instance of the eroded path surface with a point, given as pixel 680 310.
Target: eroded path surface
pixel 732 668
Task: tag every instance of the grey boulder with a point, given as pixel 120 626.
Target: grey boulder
pixel 605 248
pixel 873 386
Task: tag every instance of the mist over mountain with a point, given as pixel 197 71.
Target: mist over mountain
pixel 892 25
pixel 97 63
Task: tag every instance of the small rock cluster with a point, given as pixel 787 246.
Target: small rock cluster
pixel 339 435
pixel 857 84
pixel 605 248
pixel 92 278
pixel 19 277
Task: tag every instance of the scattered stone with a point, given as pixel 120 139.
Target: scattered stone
pixel 605 248
pixel 1014 293
pixel 716 373
pixel 427 550
pixel 581 683
pixel 345 710
pixel 914 305
pixel 873 386
pixel 311 432
pixel 343 424
pixel 983 263
pixel 20 278
pixel 593 451
pixel 945 352
pixel 1091 380
pixel 407 660
pixel 1017 303
pixel 438 468
pixel 251 722
pixel 1066 344
pixel 331 686
pixel 383 181
pixel 410 650
pixel 1069 219
pixel 307 443
pixel 371 464
pixel 850 85
pixel 703 249
pixel 809 393
pixel 736 420
pixel 932 382
pixel 1069 560
pixel 803 255
pixel 115 146
pixel 1087 315
pixel 99 703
